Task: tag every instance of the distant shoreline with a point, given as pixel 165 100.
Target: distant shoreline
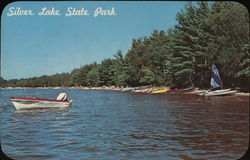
pixel 196 91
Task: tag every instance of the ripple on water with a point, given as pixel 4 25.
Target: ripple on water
pixel 114 125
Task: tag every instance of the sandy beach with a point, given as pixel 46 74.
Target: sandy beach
pixel 196 91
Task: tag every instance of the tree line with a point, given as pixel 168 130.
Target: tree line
pixel 205 33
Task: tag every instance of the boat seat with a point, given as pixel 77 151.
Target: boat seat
pixel 62 96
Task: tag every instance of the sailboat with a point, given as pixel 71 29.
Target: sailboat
pixel 217 83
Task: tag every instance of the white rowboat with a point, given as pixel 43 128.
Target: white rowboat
pixel 38 103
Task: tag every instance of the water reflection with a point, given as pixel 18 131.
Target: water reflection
pixel 217 125
pixel 113 125
pixel 34 111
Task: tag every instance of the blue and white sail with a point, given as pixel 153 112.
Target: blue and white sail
pixel 215 79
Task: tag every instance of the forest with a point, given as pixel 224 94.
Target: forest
pixel 206 33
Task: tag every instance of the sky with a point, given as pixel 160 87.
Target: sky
pixel 35 45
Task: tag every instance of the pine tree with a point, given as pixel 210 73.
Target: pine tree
pixel 230 48
pixel 189 43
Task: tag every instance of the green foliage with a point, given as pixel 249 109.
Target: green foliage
pixel 148 77
pixel 206 33
pixel 2 82
pixel 119 70
pixel 93 78
pixel 189 44
pixel 106 72
pixel 230 46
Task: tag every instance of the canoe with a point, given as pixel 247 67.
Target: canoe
pixel 180 90
pixel 127 89
pixel 146 90
pixel 160 91
pixel 38 103
pixel 187 89
pixel 132 89
pixel 175 90
pixel 138 91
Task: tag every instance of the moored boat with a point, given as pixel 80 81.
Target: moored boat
pixel 35 103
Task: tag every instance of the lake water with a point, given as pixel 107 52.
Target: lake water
pixel 114 125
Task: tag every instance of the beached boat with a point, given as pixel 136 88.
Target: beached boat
pixel 146 90
pixel 180 90
pixel 160 91
pixel 35 103
pixel 127 89
pixel 217 83
pixel 132 89
pixel 220 92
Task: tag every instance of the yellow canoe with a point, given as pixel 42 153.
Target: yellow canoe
pixel 160 90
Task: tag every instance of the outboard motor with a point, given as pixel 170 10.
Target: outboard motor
pixel 62 96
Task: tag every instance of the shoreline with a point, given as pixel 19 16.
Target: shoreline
pixel 196 91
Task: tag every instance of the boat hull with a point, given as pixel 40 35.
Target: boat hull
pixel 160 91
pixel 146 90
pixel 180 90
pixel 222 93
pixel 20 103
pixel 132 89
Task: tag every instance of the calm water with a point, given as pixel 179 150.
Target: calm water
pixel 114 125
